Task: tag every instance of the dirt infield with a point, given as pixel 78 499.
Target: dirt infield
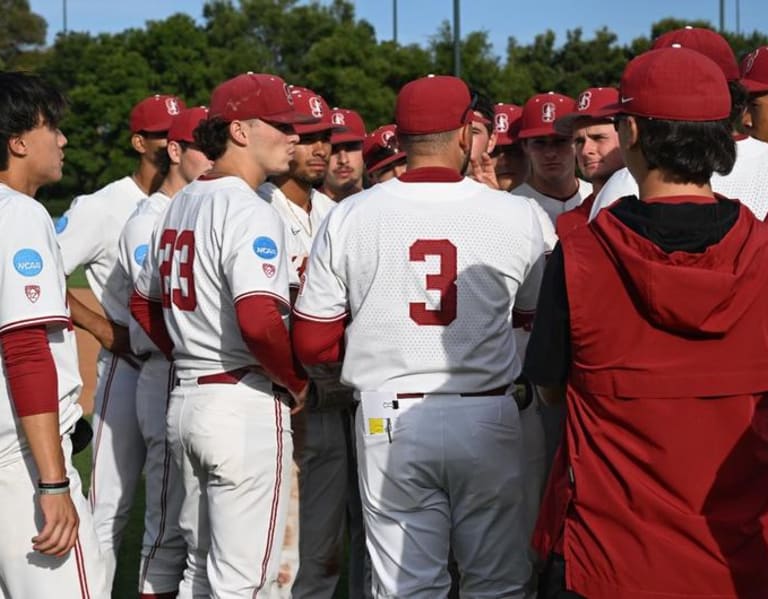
pixel 87 351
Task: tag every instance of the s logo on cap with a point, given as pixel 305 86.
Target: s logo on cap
pixel 502 123
pixel 316 106
pixel 172 106
pixel 585 99
pixel 548 112
pixel 338 119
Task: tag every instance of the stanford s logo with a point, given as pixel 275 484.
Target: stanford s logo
pixel 548 112
pixel 502 122
pixel 585 99
pixel 172 106
pixel 316 106
pixel 338 119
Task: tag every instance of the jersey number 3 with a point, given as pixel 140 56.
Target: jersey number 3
pixel 172 243
pixel 443 281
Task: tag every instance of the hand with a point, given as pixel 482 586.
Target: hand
pixel 299 399
pixel 114 338
pixel 483 172
pixel 60 527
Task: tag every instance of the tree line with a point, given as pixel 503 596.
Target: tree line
pixel 321 46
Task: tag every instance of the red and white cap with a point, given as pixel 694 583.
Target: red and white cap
pixel 314 107
pixel 506 123
pixel 589 103
pixel 710 43
pixel 154 114
pixel 184 124
pixel 433 104
pixel 540 113
pixel 675 84
pixel 255 96
pixel 754 71
pixel 351 126
pixel 381 148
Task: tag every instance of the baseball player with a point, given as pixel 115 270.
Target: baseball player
pixel 219 271
pixel 49 547
pixel 552 182
pixel 596 142
pixel 755 80
pixel 383 157
pixel 511 165
pixel 345 167
pixel 163 550
pixel 87 234
pixel 748 180
pixel 426 269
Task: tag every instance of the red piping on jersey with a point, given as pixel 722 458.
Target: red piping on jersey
pixel 317 342
pixel 266 336
pixel 30 371
pixel 82 575
pixel 29 322
pixel 149 315
pixel 431 174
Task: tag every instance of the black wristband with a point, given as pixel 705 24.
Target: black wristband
pixel 52 486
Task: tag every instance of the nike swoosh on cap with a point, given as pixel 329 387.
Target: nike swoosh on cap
pixel 625 100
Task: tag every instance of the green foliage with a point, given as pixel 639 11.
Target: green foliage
pixel 323 46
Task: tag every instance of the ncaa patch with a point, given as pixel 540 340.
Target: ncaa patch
pixel 32 292
pixel 140 253
pixel 28 262
pixel 265 248
pixel 61 224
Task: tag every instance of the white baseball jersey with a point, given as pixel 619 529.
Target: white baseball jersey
pixel 133 249
pixel 747 182
pixel 217 243
pixel 88 234
pixel 32 286
pixel 547 228
pixel 553 206
pixel 429 273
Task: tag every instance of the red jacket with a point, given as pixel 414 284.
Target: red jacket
pixel 575 217
pixel 662 490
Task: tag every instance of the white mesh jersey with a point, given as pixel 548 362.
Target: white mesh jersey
pixel 88 234
pixel 133 248
pixel 553 206
pixel 429 273
pixel 747 182
pixel 300 227
pixel 217 243
pixel 32 291
pixel 547 228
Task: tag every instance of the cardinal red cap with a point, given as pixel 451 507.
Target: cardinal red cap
pixel 675 84
pixel 381 148
pixel 255 96
pixel 710 43
pixel 313 106
pixel 589 103
pixel 540 113
pixel 754 71
pixel 433 104
pixel 154 114
pixel 351 126
pixel 185 123
pixel 506 122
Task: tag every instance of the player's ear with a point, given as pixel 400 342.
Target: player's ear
pixel 17 145
pixel 465 138
pixel 631 133
pixel 238 131
pixel 139 143
pixel 174 151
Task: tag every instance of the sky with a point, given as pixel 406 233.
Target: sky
pixel 420 19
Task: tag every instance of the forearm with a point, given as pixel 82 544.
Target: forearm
pixel 85 318
pixel 42 433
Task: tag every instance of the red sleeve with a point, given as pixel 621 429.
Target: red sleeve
pixel 267 338
pixel 149 315
pixel 30 371
pixel 317 342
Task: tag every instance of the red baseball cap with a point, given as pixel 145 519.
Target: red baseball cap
pixel 154 114
pixel 352 123
pixel 433 104
pixel 313 106
pixel 381 148
pixel 710 43
pixel 588 106
pixel 255 96
pixel 754 71
pixel 540 113
pixel 506 122
pixel 185 123
pixel 675 84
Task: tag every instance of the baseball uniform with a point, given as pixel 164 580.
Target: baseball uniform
pixel 163 551
pixel 87 234
pixel 217 245
pixel 32 286
pixel 428 274
pixel 554 207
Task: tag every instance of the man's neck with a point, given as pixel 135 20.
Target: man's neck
pixel 341 193
pixel 298 192
pixel 172 183
pixel 147 177
pixel 560 189
pixel 656 184
pixel 19 182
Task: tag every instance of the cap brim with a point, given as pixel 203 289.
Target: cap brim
pixel 346 136
pixel 755 87
pixel 537 132
pixel 381 164
pixel 566 124
pixel 313 127
pixel 610 110
pixel 290 117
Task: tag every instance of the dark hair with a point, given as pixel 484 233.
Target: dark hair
pixel 25 99
pixel 211 137
pixel 484 106
pixel 739 102
pixel 688 151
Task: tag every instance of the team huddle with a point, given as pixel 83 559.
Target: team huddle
pixel 484 351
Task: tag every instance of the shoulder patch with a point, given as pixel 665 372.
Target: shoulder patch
pixel 61 224
pixel 265 248
pixel 140 253
pixel 28 262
